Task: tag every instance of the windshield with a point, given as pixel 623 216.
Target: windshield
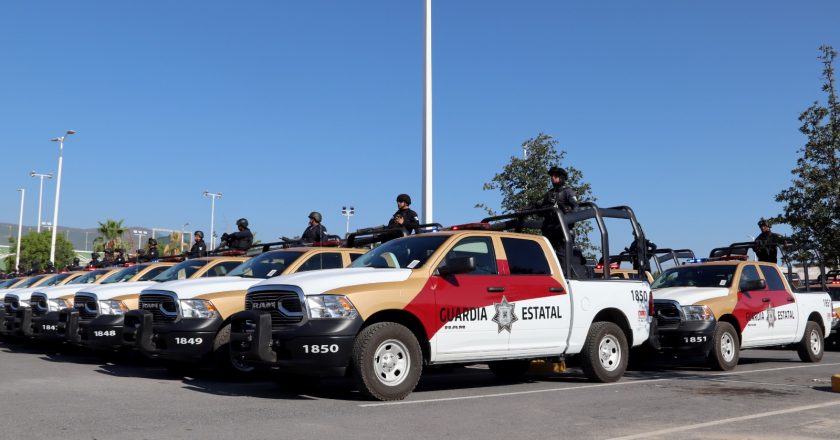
pixel 406 252
pixel 124 275
pixel 266 265
pixel 31 281
pixel 89 277
pixel 6 283
pixel 180 271
pixel 55 280
pixel 696 276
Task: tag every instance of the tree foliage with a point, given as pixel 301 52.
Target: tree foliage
pixel 524 181
pixel 812 202
pixel 112 232
pixel 35 246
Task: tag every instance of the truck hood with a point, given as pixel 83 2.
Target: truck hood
pixel 59 291
pixel 690 295
pixel 186 289
pixel 21 294
pixel 320 281
pixel 109 291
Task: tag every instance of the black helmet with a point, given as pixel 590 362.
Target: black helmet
pixel 200 234
pixel 315 215
pixel 557 171
pixel 152 242
pixel 763 222
pixel 404 198
pixel 76 261
pixel 94 255
pixel 242 222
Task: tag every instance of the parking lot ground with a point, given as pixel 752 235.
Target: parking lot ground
pixel 72 395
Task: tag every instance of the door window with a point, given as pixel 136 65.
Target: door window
pixel 480 249
pixel 525 257
pixel 749 273
pixel 774 281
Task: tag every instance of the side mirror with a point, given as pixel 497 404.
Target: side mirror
pixel 454 266
pixel 752 285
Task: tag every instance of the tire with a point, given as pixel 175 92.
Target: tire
pixel 386 361
pixel 726 348
pixel 226 366
pixel 605 353
pixel 812 345
pixel 510 371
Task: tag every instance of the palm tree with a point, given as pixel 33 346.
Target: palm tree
pixel 112 231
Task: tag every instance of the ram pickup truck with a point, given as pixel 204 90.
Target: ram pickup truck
pixel 185 322
pixel 97 318
pixel 472 294
pixel 19 313
pixel 714 308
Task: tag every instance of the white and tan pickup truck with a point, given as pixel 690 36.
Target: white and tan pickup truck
pixel 468 295
pixel 715 307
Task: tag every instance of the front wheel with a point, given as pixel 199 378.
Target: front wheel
pixel 727 347
pixel 387 361
pixel 226 364
pixel 604 354
pixel 811 347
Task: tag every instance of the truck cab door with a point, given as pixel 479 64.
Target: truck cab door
pixel 465 303
pixel 784 307
pixel 752 308
pixel 539 301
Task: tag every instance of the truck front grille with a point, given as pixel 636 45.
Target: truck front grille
pixel 286 307
pixel 39 305
pixel 164 308
pixel 667 313
pixel 86 306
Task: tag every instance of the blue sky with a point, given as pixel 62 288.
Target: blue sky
pixel 686 111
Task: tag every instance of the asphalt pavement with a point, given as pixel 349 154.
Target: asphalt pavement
pixel 59 393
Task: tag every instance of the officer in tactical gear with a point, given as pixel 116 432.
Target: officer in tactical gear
pixel 767 243
pixel 558 196
pixel 94 261
pixel 315 232
pixel 108 260
pixel 74 266
pixel 240 240
pixel 119 257
pixel 152 254
pixel 199 248
pixel 405 217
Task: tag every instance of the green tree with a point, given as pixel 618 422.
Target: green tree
pixel 524 181
pixel 35 246
pixel 112 232
pixel 812 202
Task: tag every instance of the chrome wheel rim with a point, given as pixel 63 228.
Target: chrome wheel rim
pixel 816 344
pixel 391 362
pixel 727 347
pixel 609 353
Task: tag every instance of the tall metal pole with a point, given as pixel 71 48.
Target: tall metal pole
pixel 213 197
pixel 40 194
pixel 427 118
pixel 20 230
pixel 60 141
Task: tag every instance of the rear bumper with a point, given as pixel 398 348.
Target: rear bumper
pixel 186 339
pixel 316 347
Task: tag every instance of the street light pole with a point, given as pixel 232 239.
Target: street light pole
pixel 183 234
pixel 40 194
pixel 427 116
pixel 213 197
pixel 347 213
pixel 20 230
pixel 60 141
pixel 139 234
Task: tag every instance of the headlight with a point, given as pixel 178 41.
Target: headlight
pixel 56 305
pixel 24 302
pixel 112 307
pixel 2 304
pixel 698 313
pixel 330 306
pixel 198 308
